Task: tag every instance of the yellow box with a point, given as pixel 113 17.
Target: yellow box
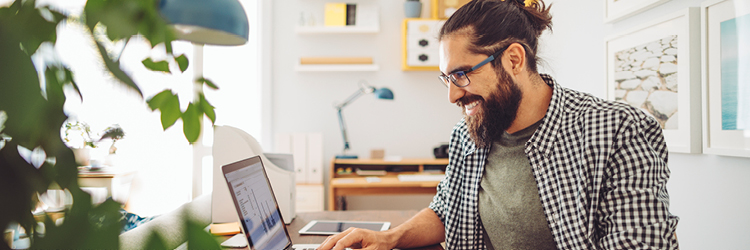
pixel 335 14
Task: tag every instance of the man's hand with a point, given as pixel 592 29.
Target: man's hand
pixel 423 229
pixel 357 238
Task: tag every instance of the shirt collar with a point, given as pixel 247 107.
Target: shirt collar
pixel 544 138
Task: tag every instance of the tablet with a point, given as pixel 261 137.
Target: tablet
pixel 329 227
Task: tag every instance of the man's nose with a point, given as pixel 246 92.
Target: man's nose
pixel 455 93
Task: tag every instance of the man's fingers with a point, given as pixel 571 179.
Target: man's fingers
pixel 331 240
pixel 353 237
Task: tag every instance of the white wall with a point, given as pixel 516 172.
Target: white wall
pixel 709 193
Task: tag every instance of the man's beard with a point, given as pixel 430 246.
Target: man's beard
pixel 497 112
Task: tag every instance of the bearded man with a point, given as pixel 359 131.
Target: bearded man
pixel 533 165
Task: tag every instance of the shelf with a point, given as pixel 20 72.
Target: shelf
pixel 337 29
pixel 342 184
pixel 336 67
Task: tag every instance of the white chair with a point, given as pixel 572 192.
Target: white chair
pixel 230 145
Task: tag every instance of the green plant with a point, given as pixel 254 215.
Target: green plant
pixel 115 133
pixel 78 132
pixel 31 113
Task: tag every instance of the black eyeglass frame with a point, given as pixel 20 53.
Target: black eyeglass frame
pixel 452 76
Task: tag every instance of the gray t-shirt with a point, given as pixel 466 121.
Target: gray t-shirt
pixel 509 204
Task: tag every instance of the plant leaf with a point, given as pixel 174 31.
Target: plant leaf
pixel 69 78
pixel 182 61
pixel 156 101
pixel 198 238
pixel 114 68
pixel 208 83
pixel 54 84
pixel 191 121
pixel 170 111
pixel 156 66
pixel 36 28
pixel 207 108
pixel 155 241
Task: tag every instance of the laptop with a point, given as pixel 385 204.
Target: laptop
pixel 256 206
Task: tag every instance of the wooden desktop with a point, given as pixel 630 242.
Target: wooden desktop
pixel 383 178
pixel 396 217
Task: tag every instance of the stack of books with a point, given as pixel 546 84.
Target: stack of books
pixel 340 14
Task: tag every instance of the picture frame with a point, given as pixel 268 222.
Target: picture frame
pixel 726 86
pixel 656 67
pixel 616 10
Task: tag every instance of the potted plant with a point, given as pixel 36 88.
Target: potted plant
pixel 78 138
pixel 114 133
pixel 413 8
pixel 32 115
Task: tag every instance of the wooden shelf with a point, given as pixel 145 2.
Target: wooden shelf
pixel 338 30
pixel 337 67
pixel 341 185
pixel 430 161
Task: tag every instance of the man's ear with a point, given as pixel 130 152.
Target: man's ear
pixel 516 55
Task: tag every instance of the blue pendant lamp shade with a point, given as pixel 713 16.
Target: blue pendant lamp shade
pixel 213 22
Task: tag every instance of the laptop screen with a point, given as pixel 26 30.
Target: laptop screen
pixel 256 205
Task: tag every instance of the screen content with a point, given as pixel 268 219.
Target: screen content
pixel 260 215
pixel 326 226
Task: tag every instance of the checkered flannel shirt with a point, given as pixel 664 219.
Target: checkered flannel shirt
pixel 601 170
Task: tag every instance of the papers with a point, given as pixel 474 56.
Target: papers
pixel 236 241
pixel 421 177
pixel 370 172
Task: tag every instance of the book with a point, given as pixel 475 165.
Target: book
pixel 230 228
pixel 335 14
pixel 351 14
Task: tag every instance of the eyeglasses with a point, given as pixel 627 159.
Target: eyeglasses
pixel 460 78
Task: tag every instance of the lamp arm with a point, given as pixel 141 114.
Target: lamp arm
pixel 343 130
pixel 357 94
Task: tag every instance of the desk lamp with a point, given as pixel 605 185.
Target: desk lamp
pixel 364 88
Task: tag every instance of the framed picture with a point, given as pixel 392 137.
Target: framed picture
pixel 726 77
pixel 656 67
pixel 615 10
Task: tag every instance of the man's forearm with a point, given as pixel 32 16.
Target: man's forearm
pixel 424 229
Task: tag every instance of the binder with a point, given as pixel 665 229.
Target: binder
pixel 299 151
pixel 306 151
pixel 315 158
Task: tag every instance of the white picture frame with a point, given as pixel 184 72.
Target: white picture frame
pixel 723 130
pixel 656 68
pixel 616 10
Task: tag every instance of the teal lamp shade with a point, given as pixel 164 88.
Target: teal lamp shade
pixel 214 22
pixel 383 93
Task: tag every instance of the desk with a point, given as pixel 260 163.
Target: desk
pixel 395 217
pixel 116 181
pixel 342 184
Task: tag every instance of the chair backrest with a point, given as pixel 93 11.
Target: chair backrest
pixel 230 145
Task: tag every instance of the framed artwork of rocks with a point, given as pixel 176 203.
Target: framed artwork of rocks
pixel 615 10
pixel 726 77
pixel 656 67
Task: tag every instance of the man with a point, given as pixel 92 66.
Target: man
pixel 533 165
